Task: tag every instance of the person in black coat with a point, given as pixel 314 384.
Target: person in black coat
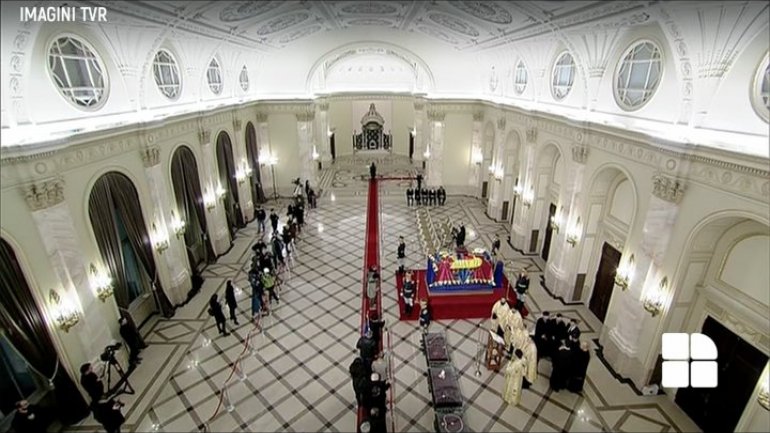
pixel 409 193
pixel 432 197
pixel 108 414
pixel 30 418
pixel 560 328
pixel 573 331
pixel 232 303
pixel 401 253
pixel 425 199
pixel 562 360
pixel 579 367
pixel 215 310
pixel 441 195
pixel 376 324
pixel 372 171
pixel 522 283
pixel 358 372
pixel 274 220
pixel 133 340
pixel 419 182
pixel 408 292
pixel 261 217
pixel 91 382
pixel 541 335
pixel 461 236
pixel 367 348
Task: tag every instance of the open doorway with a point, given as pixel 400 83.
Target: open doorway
pixel 604 282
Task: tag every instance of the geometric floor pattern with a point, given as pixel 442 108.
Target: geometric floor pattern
pixel 293 376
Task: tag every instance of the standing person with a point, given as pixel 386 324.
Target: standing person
pixel 376 325
pixel 256 294
pixel 232 303
pixel 579 366
pixel 417 199
pixel 299 212
pixel 562 360
pixel 215 310
pixel 573 332
pixel 541 337
pixel 409 195
pixel 286 238
pixel 560 329
pixel 277 252
pixel 522 283
pixel 461 236
pixel 408 291
pixel 268 282
pixel 432 197
pixel 108 414
pixel 530 360
pixel 425 199
pixel 495 245
pixel 357 374
pixel 307 189
pixel 29 418
pixel 261 216
pixel 133 340
pixel 91 382
pixel 514 374
pixel 373 170
pixel 441 195
pixel 419 182
pixel 274 220
pixel 311 198
pixel 367 348
pixel 424 316
pixel 401 254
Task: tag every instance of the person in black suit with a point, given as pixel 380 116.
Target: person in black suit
pixel 541 335
pixel 579 367
pixel 232 303
pixel 441 195
pixel 401 254
pixel 409 195
pixel 419 182
pixel 30 418
pixel 215 310
pixel 562 364
pixel 367 349
pixel 560 329
pixel 91 382
pixel 373 171
pixel 108 414
pixel 573 331
pixel 432 196
pixel 425 198
pixel 133 340
pixel 376 324
pixel 357 373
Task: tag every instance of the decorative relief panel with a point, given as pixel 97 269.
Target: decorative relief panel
pixel 305 116
pixel 261 117
pixel 531 135
pixel 237 123
pixel 204 136
pixel 667 188
pixel 44 194
pixel 501 123
pixel 436 115
pixel 151 156
pixel 739 326
pixel 579 153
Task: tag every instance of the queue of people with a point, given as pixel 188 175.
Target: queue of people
pixel 425 196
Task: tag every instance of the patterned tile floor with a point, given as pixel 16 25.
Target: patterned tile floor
pixel 293 375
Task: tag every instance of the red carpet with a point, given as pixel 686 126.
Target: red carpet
pixel 454 306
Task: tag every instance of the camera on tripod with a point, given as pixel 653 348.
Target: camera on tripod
pixel 109 353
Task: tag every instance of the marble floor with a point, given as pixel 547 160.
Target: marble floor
pixel 293 375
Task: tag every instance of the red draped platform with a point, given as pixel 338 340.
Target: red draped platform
pixel 456 305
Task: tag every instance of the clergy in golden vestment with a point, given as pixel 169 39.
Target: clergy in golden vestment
pixel 500 314
pixel 530 356
pixel 519 338
pixel 515 319
pixel 514 374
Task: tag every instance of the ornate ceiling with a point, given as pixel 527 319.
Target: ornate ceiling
pixel 465 25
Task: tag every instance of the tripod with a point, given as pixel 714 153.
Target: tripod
pixel 123 386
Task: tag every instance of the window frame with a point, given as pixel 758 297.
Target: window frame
pixel 621 62
pixel 212 85
pixel 244 71
pixel 99 61
pixel 519 88
pixel 755 91
pixel 572 75
pixel 178 73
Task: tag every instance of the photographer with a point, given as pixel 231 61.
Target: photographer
pixel 91 382
pixel 133 340
pixel 109 415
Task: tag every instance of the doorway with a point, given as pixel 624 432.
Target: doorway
pixel 739 367
pixel 548 233
pixel 411 146
pixel 333 147
pixel 604 282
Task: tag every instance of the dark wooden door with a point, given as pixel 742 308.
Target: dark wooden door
pixel 740 366
pixel 332 147
pixel 411 146
pixel 484 189
pixel 605 281
pixel 548 233
pixel 505 210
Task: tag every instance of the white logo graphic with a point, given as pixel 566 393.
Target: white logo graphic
pixel 689 360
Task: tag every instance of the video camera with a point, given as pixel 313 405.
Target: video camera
pixel 109 352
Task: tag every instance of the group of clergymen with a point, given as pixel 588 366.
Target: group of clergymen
pixel 558 339
pixel 507 327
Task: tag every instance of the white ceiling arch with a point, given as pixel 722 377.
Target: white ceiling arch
pixel 395 64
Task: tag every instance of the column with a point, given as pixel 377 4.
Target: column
pixel 264 150
pixel 322 133
pixel 215 218
pixel 173 266
pixel 477 156
pixel 622 341
pixel 307 168
pixel 54 222
pixel 419 131
pixel 495 202
pixel 561 270
pixel 239 159
pixel 522 218
pixel 434 163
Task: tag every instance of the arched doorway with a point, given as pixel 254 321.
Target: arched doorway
pixel 227 181
pixel 124 243
pixel 252 155
pixel 549 171
pixel 30 367
pixel 190 207
pixel 487 148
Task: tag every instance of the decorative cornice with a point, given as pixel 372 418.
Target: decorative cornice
pixel 436 115
pixel 151 156
pixel 45 194
pixel 323 106
pixel 261 117
pixel 478 116
pixel 531 134
pixel 204 136
pixel 237 124
pixel 667 188
pixel 419 106
pixel 305 116
pixel 579 153
pixel 501 123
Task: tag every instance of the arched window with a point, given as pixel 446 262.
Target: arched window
pixel 760 95
pixel 166 74
pixel 563 76
pixel 244 79
pixel 78 72
pixel 214 76
pixel 638 75
pixel 520 79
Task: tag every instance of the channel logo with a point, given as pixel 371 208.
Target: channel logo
pixel 689 360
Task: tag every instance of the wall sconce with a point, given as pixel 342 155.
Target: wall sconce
pixel 624 273
pixel 556 219
pixel 210 201
pixel 412 132
pixel 426 154
pixel 221 192
pixel 517 189
pixel 477 157
pixel 499 174
pixel 491 168
pixel 653 301
pixel 329 132
pixel 65 315
pixel 177 225
pixel 240 176
pixel 574 235
pixel 272 159
pixel 102 283
pixel 528 197
pixel 315 154
pixel 161 240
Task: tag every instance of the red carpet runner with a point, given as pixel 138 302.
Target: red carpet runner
pixel 449 306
